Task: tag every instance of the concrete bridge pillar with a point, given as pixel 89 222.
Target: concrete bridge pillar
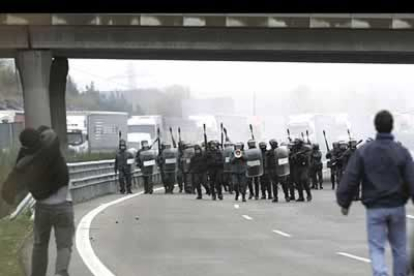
pixel 57 92
pixel 44 87
pixel 34 68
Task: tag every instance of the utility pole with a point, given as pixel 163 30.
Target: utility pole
pixel 254 103
pixel 131 76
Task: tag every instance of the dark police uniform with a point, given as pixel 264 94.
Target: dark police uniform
pixel 123 167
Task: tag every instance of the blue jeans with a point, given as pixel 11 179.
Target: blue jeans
pixel 383 224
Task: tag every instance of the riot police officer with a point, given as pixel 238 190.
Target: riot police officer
pixel 254 168
pixel 187 154
pixel 352 147
pixel 238 168
pixel 316 167
pixel 181 160
pixel 146 160
pixel 301 161
pixel 197 170
pixel 331 156
pixel 227 167
pixel 340 162
pixel 265 183
pixel 291 178
pixel 214 160
pixel 123 166
pixel 206 178
pixel 167 160
pixel 278 169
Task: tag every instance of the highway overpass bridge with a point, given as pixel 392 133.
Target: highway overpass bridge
pixel 42 43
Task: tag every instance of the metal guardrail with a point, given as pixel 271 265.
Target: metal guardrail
pixel 89 180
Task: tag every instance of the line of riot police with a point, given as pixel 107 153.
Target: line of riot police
pixel 217 166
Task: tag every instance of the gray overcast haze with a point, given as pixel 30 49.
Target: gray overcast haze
pixel 281 89
pixel 215 78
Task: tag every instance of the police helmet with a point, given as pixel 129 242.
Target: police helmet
pixel 251 144
pixel 262 145
pixel 144 143
pixel 228 144
pixel 166 146
pixel 353 144
pixel 239 145
pixel 335 145
pixel 343 145
pixel 273 143
pixel 212 144
pixel 197 149
pixel 298 141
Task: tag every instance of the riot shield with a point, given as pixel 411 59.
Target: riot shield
pixel 254 162
pixel 227 154
pixel 188 153
pixel 282 161
pixel 170 157
pixel 147 158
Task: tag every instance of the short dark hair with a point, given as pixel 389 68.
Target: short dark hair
pixel 29 137
pixel 384 122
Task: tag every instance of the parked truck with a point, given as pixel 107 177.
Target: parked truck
pixel 143 128
pixel 95 131
pixel 11 116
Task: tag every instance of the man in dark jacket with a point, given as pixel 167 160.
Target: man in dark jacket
pixel 386 171
pixel 45 174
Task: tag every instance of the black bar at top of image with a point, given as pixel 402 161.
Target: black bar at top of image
pixel 212 6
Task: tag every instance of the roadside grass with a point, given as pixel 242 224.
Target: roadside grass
pixel 12 236
pixel 7 159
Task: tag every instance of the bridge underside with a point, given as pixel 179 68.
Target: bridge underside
pixel 229 44
pixel 265 56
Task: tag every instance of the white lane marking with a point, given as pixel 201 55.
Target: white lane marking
pixel 236 206
pixel 247 217
pixel 83 243
pixel 281 233
pixel 410 216
pixel 353 257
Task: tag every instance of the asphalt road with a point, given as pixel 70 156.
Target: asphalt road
pixel 177 235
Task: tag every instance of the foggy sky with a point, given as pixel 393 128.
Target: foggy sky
pixel 213 78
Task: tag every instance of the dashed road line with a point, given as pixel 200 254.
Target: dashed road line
pixel 247 217
pixel 236 206
pixel 282 233
pixel 365 260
